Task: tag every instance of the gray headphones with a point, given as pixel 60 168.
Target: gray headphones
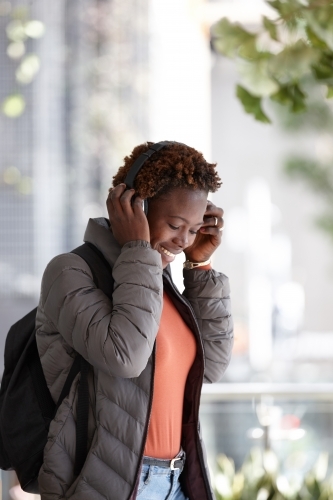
pixel 138 164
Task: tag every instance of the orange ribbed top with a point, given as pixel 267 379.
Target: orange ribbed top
pixel 175 353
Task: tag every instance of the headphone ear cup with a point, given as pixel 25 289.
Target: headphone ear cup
pixel 145 206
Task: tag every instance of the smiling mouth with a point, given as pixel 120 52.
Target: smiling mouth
pixel 164 250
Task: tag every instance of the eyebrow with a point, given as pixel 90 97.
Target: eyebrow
pixel 185 220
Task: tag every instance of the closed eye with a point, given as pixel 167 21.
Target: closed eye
pixel 174 228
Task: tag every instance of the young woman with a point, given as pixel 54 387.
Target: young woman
pixel 151 348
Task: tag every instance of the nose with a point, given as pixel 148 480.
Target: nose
pixel 182 239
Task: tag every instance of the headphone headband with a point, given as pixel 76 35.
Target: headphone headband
pixel 139 162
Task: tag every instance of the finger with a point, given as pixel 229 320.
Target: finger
pixel 213 231
pixel 137 204
pixel 214 221
pixel 108 199
pixel 114 197
pixel 109 204
pixel 212 211
pixel 113 204
pixel 116 192
pixel 126 200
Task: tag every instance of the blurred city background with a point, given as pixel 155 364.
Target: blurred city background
pixel 84 81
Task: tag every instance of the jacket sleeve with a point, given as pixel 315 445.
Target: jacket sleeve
pixel 208 293
pixel 116 337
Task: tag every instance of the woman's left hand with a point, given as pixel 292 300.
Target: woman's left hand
pixel 208 237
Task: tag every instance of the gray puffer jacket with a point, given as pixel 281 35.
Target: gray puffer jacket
pixel 118 341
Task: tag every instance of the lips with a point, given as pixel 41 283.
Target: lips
pixel 166 252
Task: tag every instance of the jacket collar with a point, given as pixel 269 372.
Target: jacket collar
pixel 98 233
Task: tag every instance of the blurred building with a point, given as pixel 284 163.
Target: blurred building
pixel 114 73
pixel 84 110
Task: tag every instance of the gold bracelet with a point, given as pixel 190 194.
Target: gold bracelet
pixel 192 265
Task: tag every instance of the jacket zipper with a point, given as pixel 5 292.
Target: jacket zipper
pixel 197 401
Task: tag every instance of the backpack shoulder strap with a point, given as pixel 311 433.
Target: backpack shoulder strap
pixel 102 275
pixel 100 268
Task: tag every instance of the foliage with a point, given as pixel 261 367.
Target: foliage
pixel 286 66
pixel 19 30
pixel 260 478
pixel 285 59
pixel 319 177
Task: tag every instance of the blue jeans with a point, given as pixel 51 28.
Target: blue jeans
pixel 157 483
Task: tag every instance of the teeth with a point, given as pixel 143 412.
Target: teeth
pixel 164 250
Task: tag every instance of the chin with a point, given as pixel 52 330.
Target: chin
pixel 165 264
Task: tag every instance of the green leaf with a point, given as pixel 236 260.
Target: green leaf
pixel 282 96
pixel 229 38
pixel 320 21
pixel 249 50
pixel 329 94
pixel 293 62
pixel 325 222
pixel 11 175
pixel 315 174
pixel 317 116
pixel 256 78
pixel 15 31
pixel 34 29
pixel 299 98
pixel 13 106
pixel 323 69
pixel 28 69
pixel 291 96
pixel 270 27
pixel 321 466
pixel 226 465
pixel 251 104
pixel 314 40
pixel 21 12
pixel 287 9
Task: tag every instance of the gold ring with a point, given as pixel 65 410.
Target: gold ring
pixel 216 221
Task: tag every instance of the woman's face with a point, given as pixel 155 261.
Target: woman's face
pixel 174 220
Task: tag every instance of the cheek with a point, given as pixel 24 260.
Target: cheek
pixel 159 231
pixel 153 229
pixel 158 236
pixel 191 239
pixel 156 233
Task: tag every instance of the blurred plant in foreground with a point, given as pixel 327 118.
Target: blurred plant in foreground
pixel 19 30
pixel 260 479
pixel 287 63
pixel 284 58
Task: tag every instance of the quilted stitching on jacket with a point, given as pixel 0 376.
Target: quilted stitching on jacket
pixel 118 340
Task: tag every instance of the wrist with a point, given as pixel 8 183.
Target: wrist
pixel 188 264
pixel 137 243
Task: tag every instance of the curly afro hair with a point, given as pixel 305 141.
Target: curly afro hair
pixel 176 165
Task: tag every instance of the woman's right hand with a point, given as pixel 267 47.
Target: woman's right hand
pixel 127 219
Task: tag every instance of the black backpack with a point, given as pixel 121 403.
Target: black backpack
pixel 26 405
